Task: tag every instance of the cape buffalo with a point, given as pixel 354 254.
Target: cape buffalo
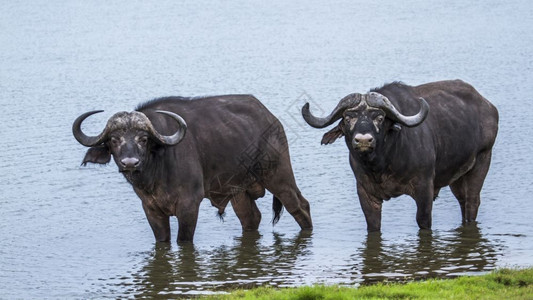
pixel 443 136
pixel 176 151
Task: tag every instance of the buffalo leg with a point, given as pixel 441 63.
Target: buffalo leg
pixel 297 206
pixel 159 222
pixel 295 203
pixel 371 207
pixel 468 187
pixel 246 210
pixel 307 209
pixel 424 205
pixel 187 215
pixel 459 189
pixel 283 186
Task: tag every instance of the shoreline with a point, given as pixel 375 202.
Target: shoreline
pixel 505 283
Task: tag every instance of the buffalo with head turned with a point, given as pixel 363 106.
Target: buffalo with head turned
pixel 176 151
pixel 415 140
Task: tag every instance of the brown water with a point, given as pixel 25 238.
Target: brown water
pixel 73 232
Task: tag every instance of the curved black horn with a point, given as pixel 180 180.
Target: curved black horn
pixel 378 100
pixel 174 139
pixel 81 137
pixel 351 100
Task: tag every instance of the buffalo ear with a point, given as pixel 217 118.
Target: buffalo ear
pixel 330 136
pixel 97 155
pixel 396 127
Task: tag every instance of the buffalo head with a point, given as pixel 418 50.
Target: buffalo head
pixel 366 120
pixel 128 136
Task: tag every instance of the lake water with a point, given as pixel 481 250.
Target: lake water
pixel 79 232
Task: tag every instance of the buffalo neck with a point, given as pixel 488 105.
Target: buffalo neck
pixel 382 160
pixel 371 163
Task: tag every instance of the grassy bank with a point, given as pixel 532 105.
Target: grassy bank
pixel 501 284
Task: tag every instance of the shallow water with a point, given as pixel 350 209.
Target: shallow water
pixel 80 232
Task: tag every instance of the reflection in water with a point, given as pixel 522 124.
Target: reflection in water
pixel 461 251
pixel 251 261
pixel 189 271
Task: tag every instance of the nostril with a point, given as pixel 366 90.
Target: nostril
pixel 363 138
pixel 129 162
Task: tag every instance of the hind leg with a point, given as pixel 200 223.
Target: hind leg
pixel 246 210
pixel 468 187
pixel 283 186
pixel 306 223
pixel 295 204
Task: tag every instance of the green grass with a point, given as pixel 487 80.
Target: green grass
pixel 501 284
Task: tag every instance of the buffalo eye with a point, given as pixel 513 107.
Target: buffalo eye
pixel 347 119
pixel 143 140
pixel 380 119
pixel 115 141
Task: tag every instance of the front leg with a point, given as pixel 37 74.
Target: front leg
pixel 424 205
pixel 159 222
pixel 187 214
pixel 371 207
